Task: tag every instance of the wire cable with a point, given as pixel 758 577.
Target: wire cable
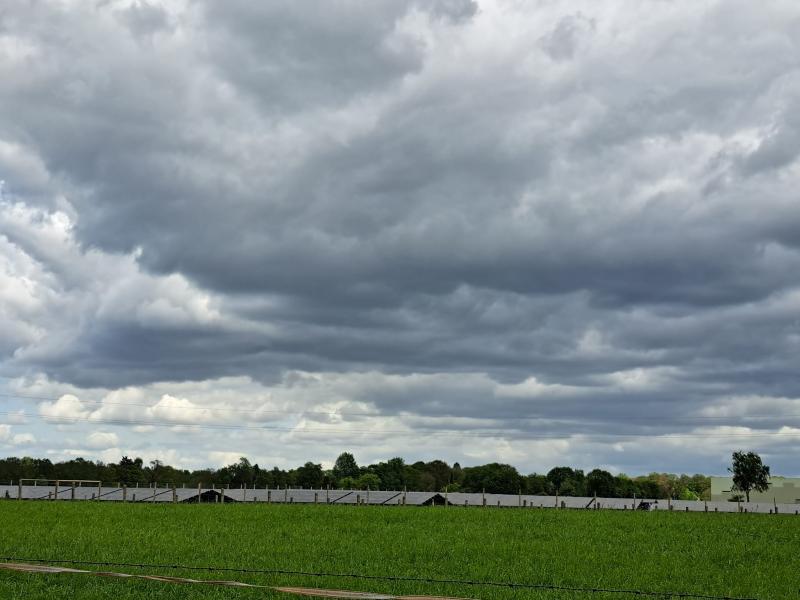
pixel 392 578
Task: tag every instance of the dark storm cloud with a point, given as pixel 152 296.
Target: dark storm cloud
pixel 408 188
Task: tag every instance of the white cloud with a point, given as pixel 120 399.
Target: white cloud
pixel 23 439
pixel 102 440
pixel 15 439
pixel 67 408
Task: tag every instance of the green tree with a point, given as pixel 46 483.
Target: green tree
pixel 495 478
pixel 345 466
pixel 368 481
pixel 601 483
pixel 558 475
pixel 749 473
pixel 310 475
pixel 347 483
pixel 129 471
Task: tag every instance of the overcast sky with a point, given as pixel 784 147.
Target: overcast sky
pixel 539 232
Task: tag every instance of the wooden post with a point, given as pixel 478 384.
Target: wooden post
pixel 56 496
pixel 483 496
pixel 285 493
pixel 556 499
pixel 315 497
pixel 328 494
pixel 367 495
pixel 269 496
pixel 199 493
pixel 595 500
pixel 124 493
pixel 174 494
pixel 72 492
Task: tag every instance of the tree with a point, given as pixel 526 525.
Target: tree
pixel 368 481
pixel 495 478
pixel 310 475
pixel 601 483
pixel 347 483
pixel 129 471
pixel 558 475
pixel 749 473
pixel 345 466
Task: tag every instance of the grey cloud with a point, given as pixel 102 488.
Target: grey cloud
pixel 407 188
pixel 145 18
pixel 562 42
pixel 297 56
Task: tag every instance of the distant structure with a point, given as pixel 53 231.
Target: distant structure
pixel 784 490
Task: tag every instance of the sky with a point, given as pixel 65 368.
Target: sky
pixel 533 232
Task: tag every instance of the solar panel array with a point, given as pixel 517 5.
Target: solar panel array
pixel 371 497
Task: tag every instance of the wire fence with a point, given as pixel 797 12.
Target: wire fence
pixel 385 578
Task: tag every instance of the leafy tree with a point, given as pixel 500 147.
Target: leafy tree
pixel 749 473
pixel 601 483
pixel 457 473
pixel 368 481
pixel 129 471
pixel 495 478
pixel 558 475
pixel 309 475
pixel 345 466
pixel 538 485
pixel 347 483
pixel 392 473
pixel 440 472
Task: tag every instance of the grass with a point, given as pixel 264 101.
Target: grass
pixel 753 556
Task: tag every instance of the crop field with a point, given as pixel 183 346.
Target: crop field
pixel 725 555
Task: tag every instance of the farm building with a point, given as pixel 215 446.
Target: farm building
pixel 784 490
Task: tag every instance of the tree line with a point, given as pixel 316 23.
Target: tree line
pixel 394 474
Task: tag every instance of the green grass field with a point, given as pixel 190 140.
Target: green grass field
pixel 753 556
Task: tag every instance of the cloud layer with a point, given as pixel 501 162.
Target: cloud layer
pixel 496 220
